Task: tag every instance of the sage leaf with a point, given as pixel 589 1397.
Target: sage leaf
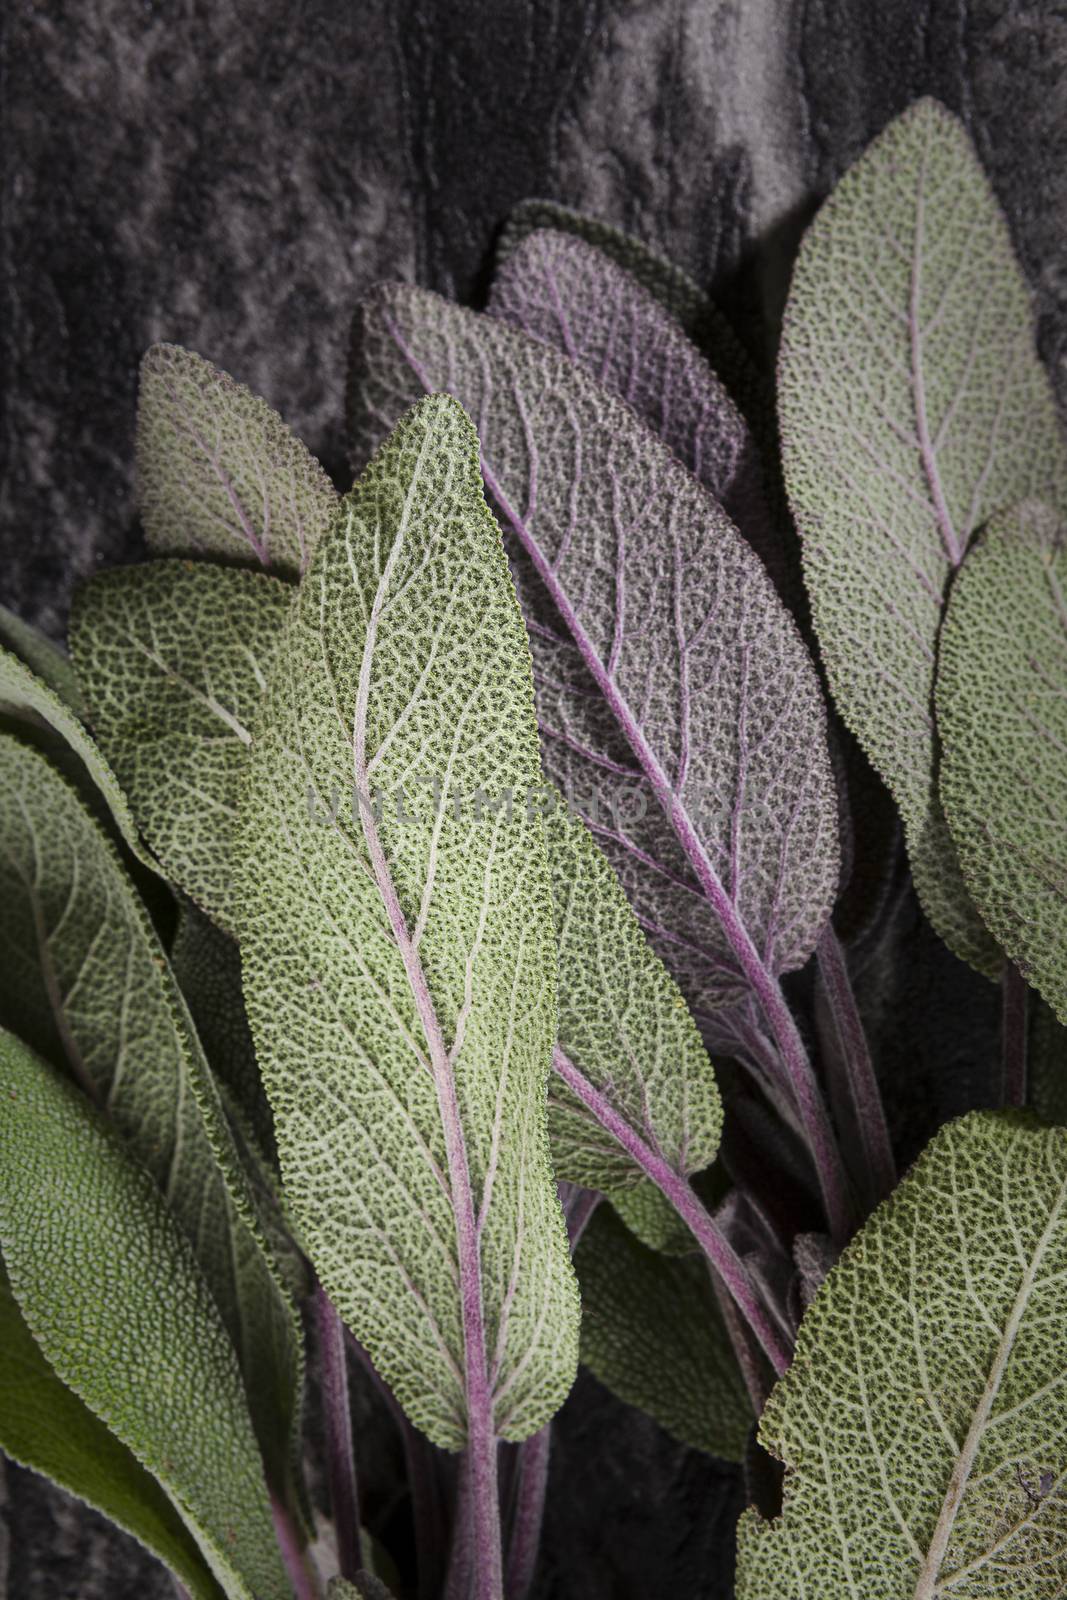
pixel 912 406
pixel 218 471
pixel 45 659
pixel 173 658
pixel 365 1587
pixel 398 956
pixel 653 1334
pixel 561 290
pixel 677 704
pixel 207 968
pixel 44 1426
pixel 112 1295
pixel 624 1025
pixel 30 700
pixel 1002 716
pixel 678 293
pixel 649 1215
pixel 922 1423
pixel 89 987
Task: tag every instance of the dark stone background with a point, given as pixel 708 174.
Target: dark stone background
pixel 231 175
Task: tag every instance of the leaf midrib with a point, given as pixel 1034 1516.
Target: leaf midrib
pixel 476 1372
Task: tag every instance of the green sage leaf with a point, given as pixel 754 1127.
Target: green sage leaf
pixel 207 967
pixel 912 406
pixel 45 659
pixel 44 1426
pixel 173 659
pixel 218 471
pixel 923 1424
pixel 650 1216
pixel 89 987
pixel 29 699
pixel 398 956
pixel 1002 716
pixel 110 1290
pixel 627 1029
pixel 653 1334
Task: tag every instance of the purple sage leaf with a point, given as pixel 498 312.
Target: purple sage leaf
pixel 563 291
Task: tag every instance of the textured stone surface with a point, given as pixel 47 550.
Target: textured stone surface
pixel 231 176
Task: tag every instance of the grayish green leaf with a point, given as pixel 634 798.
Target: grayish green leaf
pixel 366 1587
pixel 912 406
pixel 653 1334
pixel 400 969
pixel 207 967
pixel 30 699
pixel 89 987
pixel 173 659
pixel 650 1216
pixel 111 1292
pixel 43 1425
pixel 219 473
pixel 624 1024
pixel 45 659
pixel 1002 716
pixel 923 1422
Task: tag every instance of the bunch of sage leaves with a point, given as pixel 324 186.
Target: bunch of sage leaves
pixel 383 873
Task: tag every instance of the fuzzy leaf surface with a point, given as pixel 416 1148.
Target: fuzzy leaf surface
pixel 173 659
pixel 676 291
pixel 29 699
pixel 44 1426
pixel 653 1334
pixel 45 659
pixel 89 987
pixel 219 473
pixel 625 1026
pixel 923 1423
pixel 672 687
pixel 109 1288
pixel 681 297
pixel 207 967
pixel 400 970
pixel 912 406
pixel 563 291
pixel 650 1216
pixel 1002 716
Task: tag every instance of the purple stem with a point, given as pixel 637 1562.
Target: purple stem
pixel 532 1455
pixel 528 1507
pixel 461 1557
pixel 481 1430
pixel 740 1336
pixel 761 980
pixel 1014 1014
pixel 340 1453
pixel 860 1083
pixel 304 1585
pixel 676 1189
